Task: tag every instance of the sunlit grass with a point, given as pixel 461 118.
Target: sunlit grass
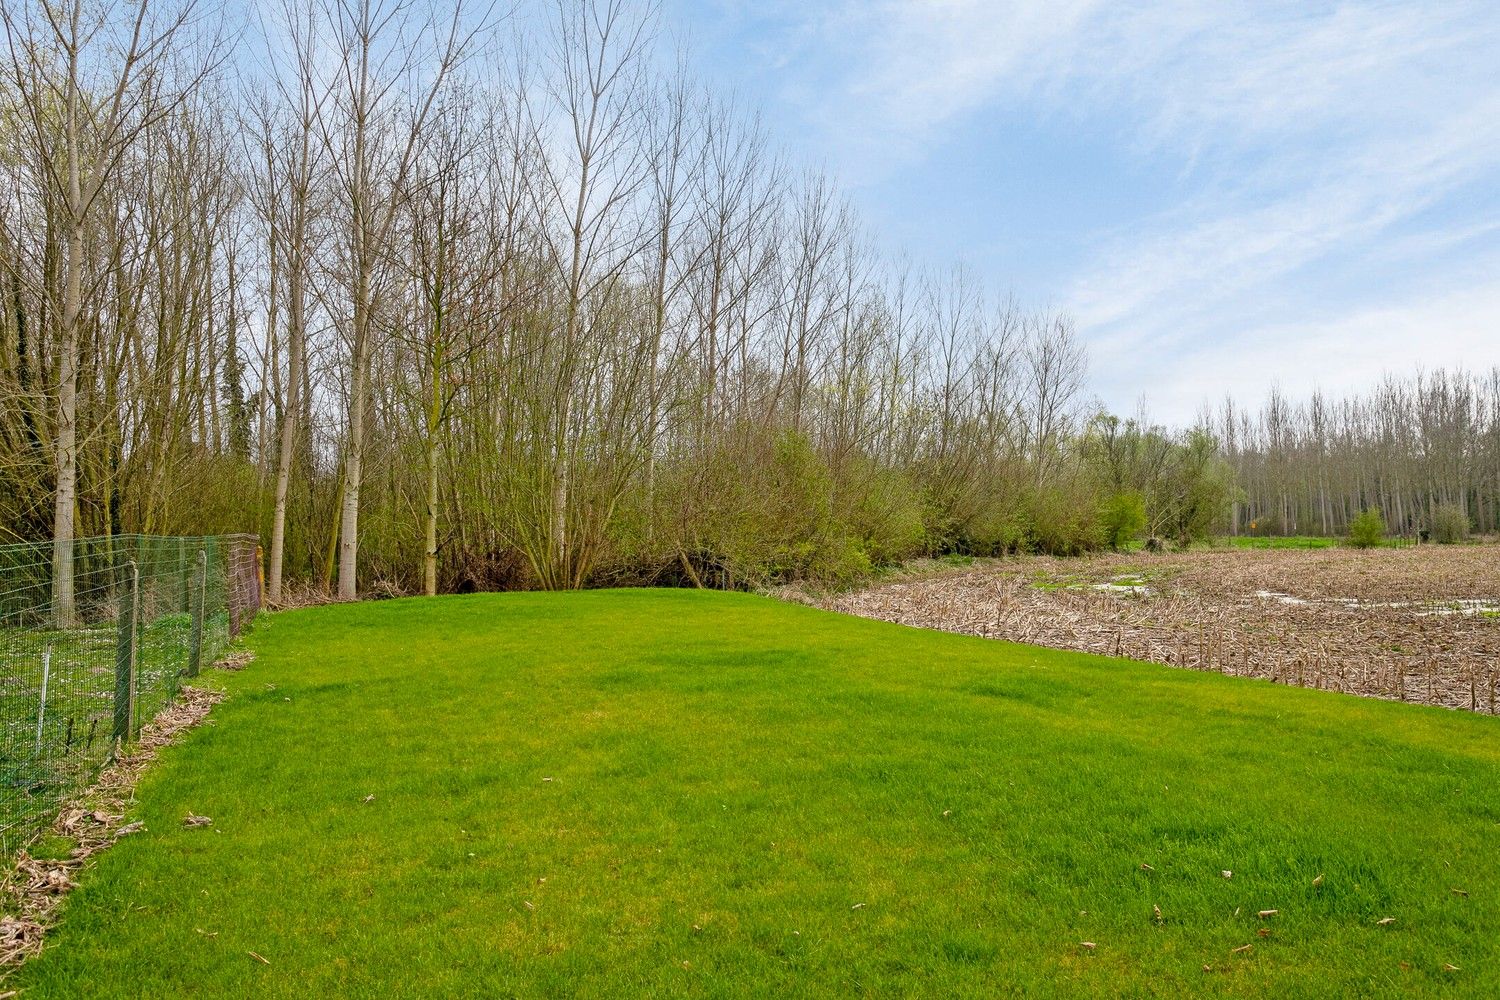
pixel 653 793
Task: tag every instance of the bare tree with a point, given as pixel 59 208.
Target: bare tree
pixel 372 128
pixel 89 79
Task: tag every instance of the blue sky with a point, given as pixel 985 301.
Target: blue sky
pixel 1223 195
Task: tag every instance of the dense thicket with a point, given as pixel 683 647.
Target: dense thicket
pixel 435 301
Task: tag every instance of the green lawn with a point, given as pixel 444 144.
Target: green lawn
pixel 673 793
pixel 1282 542
pixel 1303 542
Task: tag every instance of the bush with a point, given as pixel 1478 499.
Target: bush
pixel 999 529
pixel 1201 486
pixel 1367 530
pixel 1449 524
pixel 1064 522
pixel 885 511
pixel 1123 518
pixel 764 506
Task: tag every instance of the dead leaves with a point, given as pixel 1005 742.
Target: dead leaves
pixel 193 822
pixel 36 886
pixel 235 661
pixel 19 939
pixel 73 822
pixel 1385 921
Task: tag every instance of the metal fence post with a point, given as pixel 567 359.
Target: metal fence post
pixel 41 712
pixel 125 654
pixel 200 599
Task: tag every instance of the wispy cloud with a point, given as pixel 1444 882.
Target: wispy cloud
pixel 1333 350
pixel 1314 141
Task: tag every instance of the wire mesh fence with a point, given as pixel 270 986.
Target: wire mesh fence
pixel 82 666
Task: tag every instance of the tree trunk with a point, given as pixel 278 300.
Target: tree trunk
pixel 434 426
pixel 353 471
pixel 288 443
pixel 65 501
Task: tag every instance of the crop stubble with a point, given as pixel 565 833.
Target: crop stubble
pixel 1417 624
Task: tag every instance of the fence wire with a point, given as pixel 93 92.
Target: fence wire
pixel 78 678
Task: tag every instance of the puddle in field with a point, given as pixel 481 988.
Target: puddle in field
pixel 1483 606
pixel 1137 589
pixel 1280 598
pixel 1129 584
pixel 1133 585
pixel 1465 606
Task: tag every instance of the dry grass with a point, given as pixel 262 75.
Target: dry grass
pixel 1417 624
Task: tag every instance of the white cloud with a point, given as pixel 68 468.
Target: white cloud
pixel 1343 353
pixel 1314 139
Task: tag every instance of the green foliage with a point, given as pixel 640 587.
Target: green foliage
pixel 764 508
pixel 1367 530
pixel 672 793
pixel 1450 524
pixel 885 513
pixel 1198 489
pixel 1123 518
pixel 997 530
pixel 1184 486
pixel 1281 542
pixel 1064 523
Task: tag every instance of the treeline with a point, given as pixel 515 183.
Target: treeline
pixel 432 301
pixel 1423 450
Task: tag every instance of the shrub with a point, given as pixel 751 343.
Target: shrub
pixel 885 511
pixel 999 529
pixel 1449 524
pixel 764 506
pixel 1123 518
pixel 1063 522
pixel 1201 486
pixel 1367 530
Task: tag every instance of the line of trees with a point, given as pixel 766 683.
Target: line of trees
pixel 439 298
pixel 1423 450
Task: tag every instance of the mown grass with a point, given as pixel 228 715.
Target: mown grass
pixel 650 793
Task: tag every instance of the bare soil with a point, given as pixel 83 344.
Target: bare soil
pixel 1417 624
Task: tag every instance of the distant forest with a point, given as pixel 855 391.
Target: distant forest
pixel 433 300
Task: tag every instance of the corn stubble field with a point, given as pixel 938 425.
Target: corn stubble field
pixel 1418 624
